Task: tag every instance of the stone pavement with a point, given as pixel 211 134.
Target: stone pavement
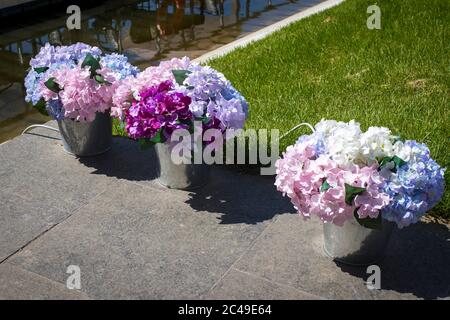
pixel 133 239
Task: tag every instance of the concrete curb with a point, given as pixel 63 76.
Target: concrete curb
pixel 5 142
pixel 260 34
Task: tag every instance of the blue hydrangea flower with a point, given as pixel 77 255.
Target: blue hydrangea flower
pixel 33 93
pixel 53 57
pixel 315 139
pixel 55 109
pixel 229 93
pixel 415 188
pixel 120 65
pixel 70 55
pixel 33 82
pixel 213 96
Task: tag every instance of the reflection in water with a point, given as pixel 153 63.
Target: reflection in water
pixel 146 31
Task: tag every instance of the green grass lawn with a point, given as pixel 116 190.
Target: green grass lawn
pixel 332 66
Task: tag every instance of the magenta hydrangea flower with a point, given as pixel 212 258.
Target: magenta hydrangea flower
pixel 130 88
pixel 214 101
pixel 158 109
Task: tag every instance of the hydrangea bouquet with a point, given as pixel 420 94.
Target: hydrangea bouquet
pixel 339 173
pixel 74 81
pixel 174 95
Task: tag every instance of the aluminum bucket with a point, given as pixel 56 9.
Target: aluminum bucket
pixel 85 139
pixel 354 244
pixel 179 176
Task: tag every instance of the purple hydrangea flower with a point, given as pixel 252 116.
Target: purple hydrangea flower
pixel 215 98
pixel 158 108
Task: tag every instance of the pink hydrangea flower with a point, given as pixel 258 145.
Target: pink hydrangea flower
pixel 301 173
pixel 80 95
pixel 129 89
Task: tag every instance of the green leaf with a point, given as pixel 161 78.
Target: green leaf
pixel 101 80
pixel 52 85
pixel 92 63
pixel 370 223
pixel 398 138
pixel 40 106
pixel 398 162
pixel 145 143
pixel 203 119
pixel 351 192
pixel 325 186
pixel 41 69
pixel 385 160
pixel 189 123
pixel 157 138
pixel 180 75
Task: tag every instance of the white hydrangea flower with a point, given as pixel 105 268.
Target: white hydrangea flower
pixel 326 126
pixel 347 144
pixel 376 143
pixel 408 152
pixel 341 139
pixel 402 151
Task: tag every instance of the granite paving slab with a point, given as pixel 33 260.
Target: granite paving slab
pixel 41 185
pixel 235 238
pixel 243 286
pixel 19 284
pixel 290 252
pixel 22 221
pixel 137 242
pixel 37 169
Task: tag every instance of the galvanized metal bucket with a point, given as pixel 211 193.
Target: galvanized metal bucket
pixel 85 139
pixel 179 176
pixel 354 244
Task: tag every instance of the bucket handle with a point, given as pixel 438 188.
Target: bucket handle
pixel 296 127
pixel 39 126
pixel 283 136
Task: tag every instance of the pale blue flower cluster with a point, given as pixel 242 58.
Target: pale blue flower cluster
pixel 119 64
pixel 415 187
pixel 70 55
pixel 32 86
pixel 213 96
pixel 55 109
pixel 53 57
pixel 33 82
pixel 316 140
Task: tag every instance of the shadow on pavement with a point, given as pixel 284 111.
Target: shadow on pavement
pixel 417 261
pixel 239 197
pixel 126 161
